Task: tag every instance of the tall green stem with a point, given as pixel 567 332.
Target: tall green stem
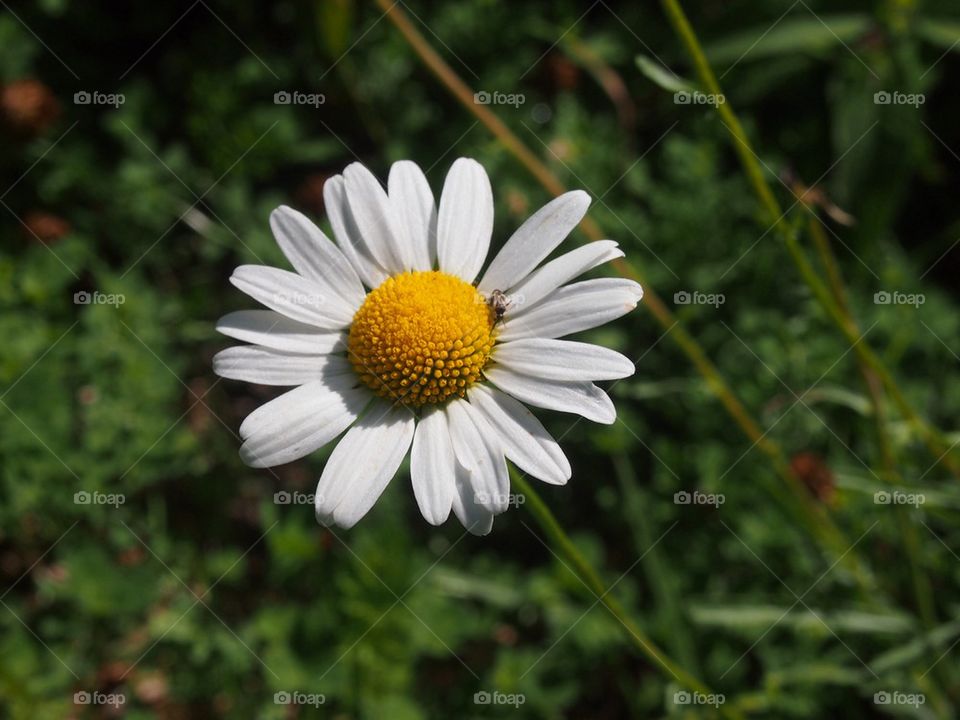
pixel 576 562
pixel 932 438
pixel 922 590
pixel 833 301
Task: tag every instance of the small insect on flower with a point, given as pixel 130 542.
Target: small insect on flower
pixel 388 335
pixel 499 303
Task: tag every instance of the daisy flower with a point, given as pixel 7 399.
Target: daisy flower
pixel 387 333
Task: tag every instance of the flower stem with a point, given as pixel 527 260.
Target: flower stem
pixel 922 590
pixel 871 382
pixel 932 437
pixel 833 301
pixel 573 559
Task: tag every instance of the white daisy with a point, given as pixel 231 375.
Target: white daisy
pixel 387 335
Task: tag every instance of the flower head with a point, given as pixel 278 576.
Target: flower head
pixel 387 334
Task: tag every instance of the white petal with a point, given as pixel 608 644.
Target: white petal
pixel 292 295
pixel 465 219
pixel 255 364
pixel 580 398
pixel 412 198
pixel 273 330
pixel 474 517
pixel 432 466
pixel 363 463
pixel 522 436
pixel 300 421
pixel 347 234
pixel 379 224
pixel 562 360
pixel 534 240
pixel 543 281
pixel 478 451
pixel 573 308
pixel 314 255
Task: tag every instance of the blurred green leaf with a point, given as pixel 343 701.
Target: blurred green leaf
pixel 798 32
pixel 663 77
pixel 943 33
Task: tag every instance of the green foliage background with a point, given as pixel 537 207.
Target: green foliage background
pixel 199 597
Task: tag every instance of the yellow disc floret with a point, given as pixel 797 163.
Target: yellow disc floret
pixel 421 337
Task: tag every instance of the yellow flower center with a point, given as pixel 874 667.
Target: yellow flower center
pixel 421 337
